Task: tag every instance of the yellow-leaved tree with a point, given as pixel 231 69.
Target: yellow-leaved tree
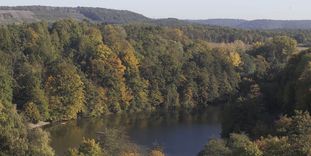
pixel 64 88
pixel 136 86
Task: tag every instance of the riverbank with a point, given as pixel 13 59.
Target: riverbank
pixel 37 125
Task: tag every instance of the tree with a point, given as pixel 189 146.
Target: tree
pixel 13 133
pixel 5 39
pixel 64 88
pixel 242 146
pixel 89 147
pixel 298 129
pixel 302 87
pixel 215 147
pixel 39 143
pixel 115 37
pixel 38 46
pixel 6 86
pixel 96 100
pixel 295 83
pixel 277 50
pixel 115 81
pixel 115 142
pixel 187 101
pixel 29 88
pixel 235 59
pixel 275 146
pixel 31 112
pixel 156 151
pixel 156 97
pixel 172 98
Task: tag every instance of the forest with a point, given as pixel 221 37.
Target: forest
pixel 68 69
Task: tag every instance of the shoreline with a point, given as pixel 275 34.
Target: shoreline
pixel 37 125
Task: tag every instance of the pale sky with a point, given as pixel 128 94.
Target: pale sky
pixel 193 9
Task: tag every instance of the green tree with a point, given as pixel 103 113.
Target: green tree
pixel 89 147
pixel 29 87
pixel 298 129
pixel 277 50
pixel 39 143
pixel 6 85
pixel 216 147
pixel 115 143
pixel 242 146
pixel 13 133
pixel 5 39
pixel 64 88
pixel 275 146
pixel 96 100
pixel 31 112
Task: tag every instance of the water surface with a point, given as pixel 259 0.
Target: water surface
pixel 180 134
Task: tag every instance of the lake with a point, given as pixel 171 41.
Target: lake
pixel 180 134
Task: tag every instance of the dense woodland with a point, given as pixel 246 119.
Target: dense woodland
pixel 258 24
pixel 66 69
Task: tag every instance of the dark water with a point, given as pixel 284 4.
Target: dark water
pixel 180 134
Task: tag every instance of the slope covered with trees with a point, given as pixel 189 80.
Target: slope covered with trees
pixel 68 68
pixel 59 71
pixel 270 114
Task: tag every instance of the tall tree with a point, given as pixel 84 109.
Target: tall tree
pixel 64 88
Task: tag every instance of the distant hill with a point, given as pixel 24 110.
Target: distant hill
pixel 28 14
pixel 37 13
pixel 20 14
pixel 257 24
pixel 221 22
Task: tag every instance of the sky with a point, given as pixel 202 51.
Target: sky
pixel 192 9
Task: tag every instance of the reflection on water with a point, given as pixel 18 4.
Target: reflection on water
pixel 180 134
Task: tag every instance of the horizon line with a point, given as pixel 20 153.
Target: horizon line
pixel 159 18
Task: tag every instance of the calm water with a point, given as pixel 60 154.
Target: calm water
pixel 180 134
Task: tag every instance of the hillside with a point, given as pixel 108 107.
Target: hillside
pixel 257 24
pixel 37 13
pixel 138 67
pixel 28 14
